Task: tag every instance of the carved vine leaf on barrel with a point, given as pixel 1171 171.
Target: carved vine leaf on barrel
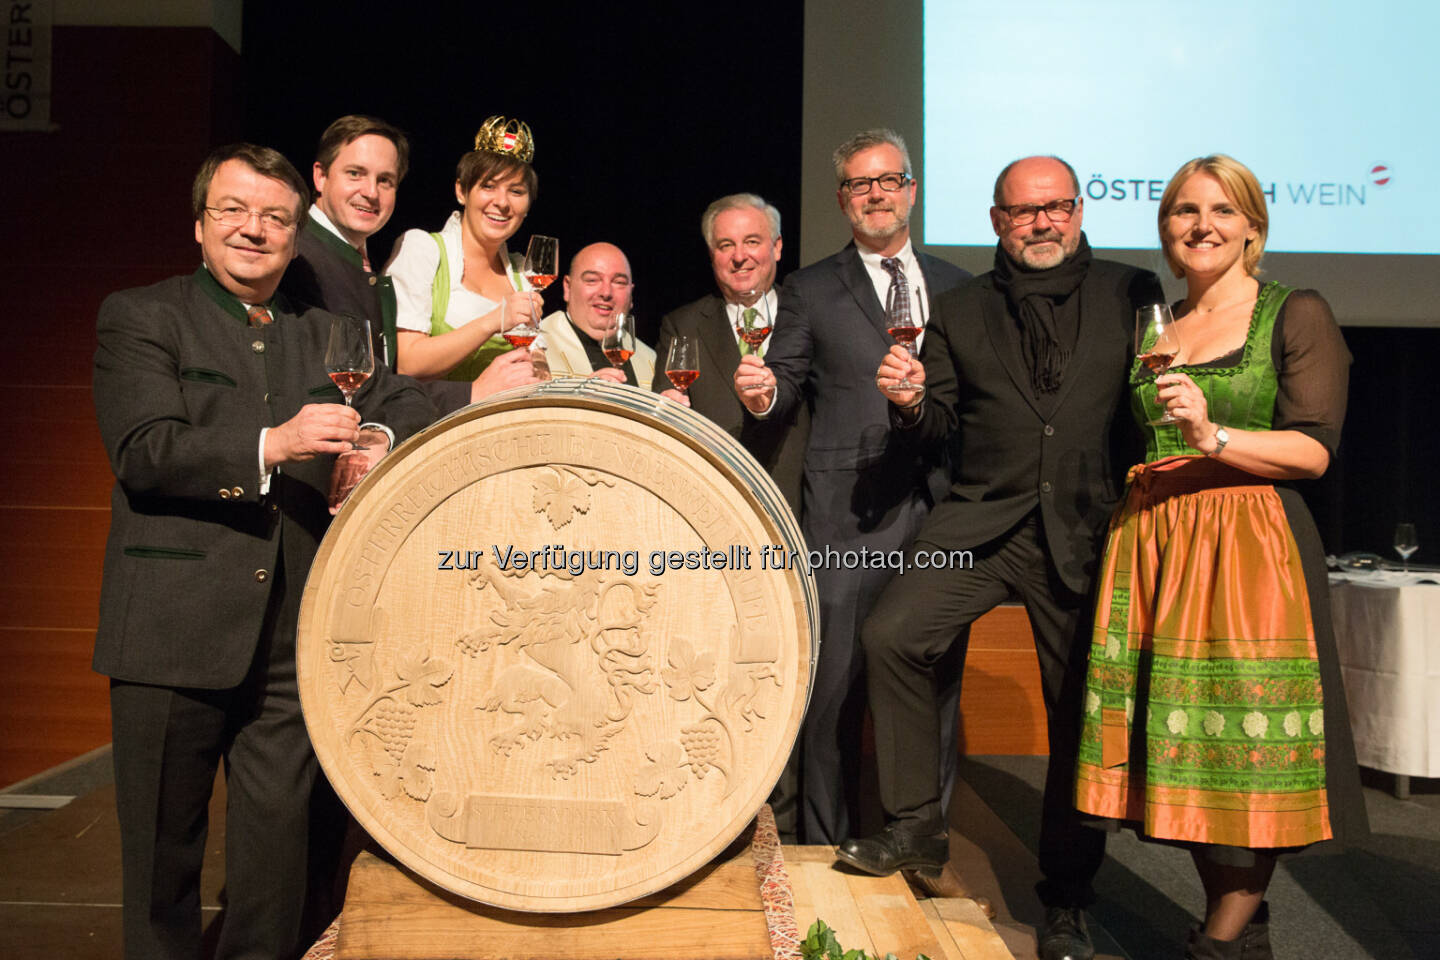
pixel 385 732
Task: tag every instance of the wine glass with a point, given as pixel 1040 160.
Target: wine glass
pixel 520 329
pixel 1406 542
pixel 901 324
pixel 682 364
pixel 753 323
pixel 542 259
pixel 539 360
pixel 1156 344
pixel 619 342
pixel 349 356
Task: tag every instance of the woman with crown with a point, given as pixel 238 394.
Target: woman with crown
pixel 454 288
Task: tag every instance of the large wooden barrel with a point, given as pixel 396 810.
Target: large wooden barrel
pixel 554 652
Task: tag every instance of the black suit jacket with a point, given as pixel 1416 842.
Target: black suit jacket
pixel 183 387
pixel 327 273
pixel 1015 452
pixel 829 339
pixel 778 443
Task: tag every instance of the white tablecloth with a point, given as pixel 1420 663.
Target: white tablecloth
pixel 1389 640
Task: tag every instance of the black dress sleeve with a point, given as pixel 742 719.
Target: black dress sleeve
pixel 1314 369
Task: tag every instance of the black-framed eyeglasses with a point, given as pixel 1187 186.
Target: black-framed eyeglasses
pixel 1058 211
pixel 235 216
pixel 859 186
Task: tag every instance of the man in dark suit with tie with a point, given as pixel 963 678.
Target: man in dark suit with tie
pixel 863 488
pixel 1026 367
pixel 222 428
pixel 742 235
pixel 358 167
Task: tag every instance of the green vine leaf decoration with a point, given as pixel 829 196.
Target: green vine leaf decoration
pixel 820 944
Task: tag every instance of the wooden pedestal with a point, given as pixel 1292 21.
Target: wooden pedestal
pixel 715 914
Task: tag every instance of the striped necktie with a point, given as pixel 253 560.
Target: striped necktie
pixel 898 305
pixel 259 316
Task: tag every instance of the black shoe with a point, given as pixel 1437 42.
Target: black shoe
pixel 897 848
pixel 1065 936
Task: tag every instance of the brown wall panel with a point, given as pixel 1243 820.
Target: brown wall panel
pixel 98 205
pixel 53 707
pixel 49 483
pixel 1001 707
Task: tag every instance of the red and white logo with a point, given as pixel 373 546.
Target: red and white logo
pixel 1380 174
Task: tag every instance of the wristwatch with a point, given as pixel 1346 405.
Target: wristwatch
pixel 1222 437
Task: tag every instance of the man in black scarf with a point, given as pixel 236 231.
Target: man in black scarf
pixel 1025 369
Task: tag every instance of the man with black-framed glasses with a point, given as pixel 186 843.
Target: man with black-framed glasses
pixel 1024 371
pixel 860 489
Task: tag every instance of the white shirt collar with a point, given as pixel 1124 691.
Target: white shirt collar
pixel 319 217
pixel 906 256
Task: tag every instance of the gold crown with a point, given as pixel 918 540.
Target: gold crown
pixel 506 137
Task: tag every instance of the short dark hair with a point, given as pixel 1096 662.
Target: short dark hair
pixel 264 161
pixel 352 127
pixel 999 196
pixel 478 166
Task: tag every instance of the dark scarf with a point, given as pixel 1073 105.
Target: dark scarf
pixel 1036 297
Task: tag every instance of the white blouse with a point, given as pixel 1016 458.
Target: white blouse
pixel 413 267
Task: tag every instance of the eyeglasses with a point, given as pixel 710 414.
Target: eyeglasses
pixel 1056 210
pixel 239 216
pixel 859 186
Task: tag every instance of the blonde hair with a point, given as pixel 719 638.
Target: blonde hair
pixel 1243 190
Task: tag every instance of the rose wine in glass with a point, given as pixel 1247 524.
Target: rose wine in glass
pixel 542 262
pixel 900 323
pixel 754 322
pixel 619 343
pixel 1406 542
pixel 349 356
pixel 520 329
pixel 682 364
pixel 1156 344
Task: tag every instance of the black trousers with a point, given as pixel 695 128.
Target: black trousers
pixel 168 744
pixel 908 635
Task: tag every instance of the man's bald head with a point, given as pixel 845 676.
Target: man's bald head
pixel 597 287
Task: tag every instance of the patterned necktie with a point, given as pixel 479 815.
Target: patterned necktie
pixel 259 316
pixel 898 300
pixel 747 320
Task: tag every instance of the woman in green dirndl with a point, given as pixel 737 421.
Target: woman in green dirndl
pixel 1214 713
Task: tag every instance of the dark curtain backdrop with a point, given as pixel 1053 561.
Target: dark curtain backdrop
pixel 645 112
pixel 642 112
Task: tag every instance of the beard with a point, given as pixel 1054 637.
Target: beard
pixel 1056 250
pixel 863 226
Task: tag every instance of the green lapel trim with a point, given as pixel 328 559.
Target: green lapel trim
pixel 341 248
pixel 222 297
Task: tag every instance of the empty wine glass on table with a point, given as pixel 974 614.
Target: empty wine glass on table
pixel 1406 542
pixel 753 323
pixel 904 329
pixel 1157 344
pixel 618 344
pixel 682 364
pixel 542 263
pixel 349 356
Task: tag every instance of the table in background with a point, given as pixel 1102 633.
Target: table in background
pixel 1387 627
